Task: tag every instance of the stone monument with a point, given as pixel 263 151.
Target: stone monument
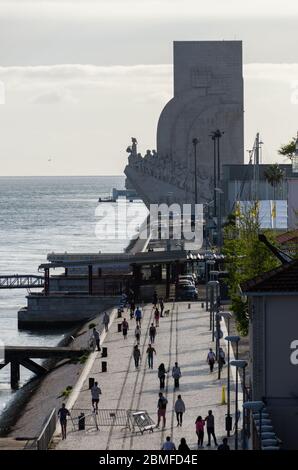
pixel 208 95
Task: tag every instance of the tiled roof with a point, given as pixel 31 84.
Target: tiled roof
pixel 282 279
pixel 285 237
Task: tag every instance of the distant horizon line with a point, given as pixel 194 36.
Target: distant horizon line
pixel 58 176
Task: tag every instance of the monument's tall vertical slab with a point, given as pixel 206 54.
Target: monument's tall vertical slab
pixel 208 95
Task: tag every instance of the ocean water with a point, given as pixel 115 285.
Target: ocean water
pixel 39 215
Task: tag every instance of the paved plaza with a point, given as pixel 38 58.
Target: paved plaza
pixel 182 336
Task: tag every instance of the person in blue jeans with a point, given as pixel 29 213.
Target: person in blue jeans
pixel 150 352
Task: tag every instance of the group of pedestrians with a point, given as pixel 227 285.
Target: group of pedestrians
pixel 95 337
pixel 162 373
pixel 136 312
pixel 209 422
pixel 201 425
pixel 162 403
pixel 211 359
pixel 183 447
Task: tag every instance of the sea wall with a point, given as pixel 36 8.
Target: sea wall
pixel 58 310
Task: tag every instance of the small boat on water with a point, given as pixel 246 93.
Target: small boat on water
pixel 128 194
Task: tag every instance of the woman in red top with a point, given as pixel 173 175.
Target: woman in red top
pixel 200 423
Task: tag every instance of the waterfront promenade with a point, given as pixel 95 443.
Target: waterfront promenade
pixel 182 336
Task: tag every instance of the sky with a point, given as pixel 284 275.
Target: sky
pixel 79 78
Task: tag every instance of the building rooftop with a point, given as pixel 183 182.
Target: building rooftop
pixel 288 237
pixel 282 279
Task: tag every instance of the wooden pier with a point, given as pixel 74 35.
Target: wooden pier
pixel 18 356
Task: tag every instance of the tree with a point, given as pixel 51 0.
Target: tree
pixel 246 258
pixel 288 150
pixel 274 175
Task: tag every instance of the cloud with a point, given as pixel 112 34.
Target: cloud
pixel 111 104
pixel 58 96
pixel 149 8
pixel 53 84
pixel 284 73
pixel 62 82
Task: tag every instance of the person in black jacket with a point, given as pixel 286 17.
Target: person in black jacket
pixel 183 447
pixel 162 375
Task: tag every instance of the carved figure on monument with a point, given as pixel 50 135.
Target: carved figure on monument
pixel 134 146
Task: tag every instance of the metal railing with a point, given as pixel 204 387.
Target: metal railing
pixel 18 281
pixel 45 437
pixel 104 417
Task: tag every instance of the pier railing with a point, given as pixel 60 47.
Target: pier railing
pixel 44 439
pixel 18 281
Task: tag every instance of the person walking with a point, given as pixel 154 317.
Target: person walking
pixel 183 447
pixel 200 424
pixel 95 392
pixel 96 338
pixel 176 374
pixel 132 309
pixel 106 321
pixel 136 355
pixel 162 375
pixel 211 359
pixel 168 444
pixel 125 328
pixel 224 445
pixel 150 351
pixel 210 428
pixel 221 358
pixel 138 334
pixel 155 299
pixel 156 316
pixel 138 316
pixel 62 415
pixel 179 410
pixel 161 409
pixel 152 333
pixel 161 306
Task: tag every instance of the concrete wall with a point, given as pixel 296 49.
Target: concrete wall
pixel 274 327
pixel 58 310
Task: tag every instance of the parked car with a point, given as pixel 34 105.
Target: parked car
pixel 187 277
pixel 186 292
pixel 185 282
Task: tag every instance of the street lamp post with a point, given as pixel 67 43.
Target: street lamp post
pixel 195 142
pixel 219 231
pixel 213 137
pixel 213 286
pixel 227 316
pixel 207 270
pixel 240 364
pixel 219 134
pixel 235 339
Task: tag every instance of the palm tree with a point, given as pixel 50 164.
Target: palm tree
pixel 274 175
